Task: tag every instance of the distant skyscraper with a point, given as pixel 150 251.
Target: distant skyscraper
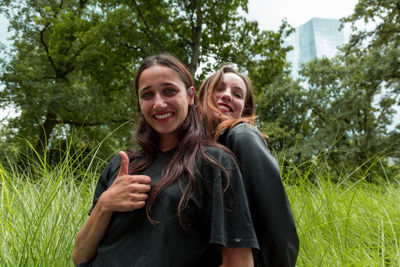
pixel 315 39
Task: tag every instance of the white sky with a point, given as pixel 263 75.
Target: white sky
pixel 270 13
pixel 3 29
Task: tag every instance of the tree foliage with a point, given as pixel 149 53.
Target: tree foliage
pixel 381 40
pixel 70 69
pixel 72 62
pixel 55 75
pixel 350 114
pixel 354 94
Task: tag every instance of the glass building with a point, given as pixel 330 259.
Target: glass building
pixel 317 38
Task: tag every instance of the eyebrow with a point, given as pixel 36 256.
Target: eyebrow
pixel 163 84
pixel 234 87
pixel 239 87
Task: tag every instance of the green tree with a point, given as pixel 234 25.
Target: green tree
pixel 54 74
pixel 350 114
pixel 71 65
pixel 379 41
pixel 281 103
pixel 282 114
pixel 351 98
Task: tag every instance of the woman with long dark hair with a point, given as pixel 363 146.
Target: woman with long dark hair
pixel 227 105
pixel 180 199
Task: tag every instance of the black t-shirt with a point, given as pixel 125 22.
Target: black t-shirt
pixel 212 219
pixel 270 208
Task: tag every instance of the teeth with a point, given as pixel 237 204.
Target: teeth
pixel 163 116
pixel 223 107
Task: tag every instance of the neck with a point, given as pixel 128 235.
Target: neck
pixel 167 143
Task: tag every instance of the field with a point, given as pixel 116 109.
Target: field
pixel 349 222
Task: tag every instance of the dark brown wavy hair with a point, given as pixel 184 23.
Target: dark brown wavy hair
pixel 210 113
pixel 192 139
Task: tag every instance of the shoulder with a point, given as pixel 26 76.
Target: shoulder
pixel 245 140
pixel 216 152
pixel 244 129
pixel 115 163
pixel 244 133
pixel 106 178
pixel 217 157
pixel 111 168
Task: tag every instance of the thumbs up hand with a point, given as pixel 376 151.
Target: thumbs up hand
pixel 128 192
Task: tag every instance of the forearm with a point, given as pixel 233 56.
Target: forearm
pixel 237 257
pixel 90 235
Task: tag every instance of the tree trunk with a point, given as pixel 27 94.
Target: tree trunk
pixel 197 32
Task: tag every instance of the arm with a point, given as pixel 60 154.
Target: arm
pixel 127 193
pixel 271 211
pixel 91 234
pixel 237 257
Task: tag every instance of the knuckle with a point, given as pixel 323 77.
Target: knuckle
pixel 133 188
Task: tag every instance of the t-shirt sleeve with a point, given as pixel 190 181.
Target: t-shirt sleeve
pixel 106 178
pixel 228 211
pixel 271 211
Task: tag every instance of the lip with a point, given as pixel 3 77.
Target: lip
pixel 163 116
pixel 225 107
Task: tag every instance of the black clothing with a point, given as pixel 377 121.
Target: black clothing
pixel 222 220
pixel 270 209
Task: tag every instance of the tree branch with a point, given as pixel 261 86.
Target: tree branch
pixel 46 49
pixel 59 75
pixel 148 31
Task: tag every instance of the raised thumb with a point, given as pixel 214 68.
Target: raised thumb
pixel 123 170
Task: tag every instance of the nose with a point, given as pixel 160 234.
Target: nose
pixel 159 102
pixel 226 95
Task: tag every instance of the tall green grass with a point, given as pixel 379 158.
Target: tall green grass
pixel 41 209
pixel 343 223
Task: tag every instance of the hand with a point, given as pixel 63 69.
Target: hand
pixel 128 192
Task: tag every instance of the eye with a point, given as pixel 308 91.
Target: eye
pixel 170 91
pixel 146 95
pixel 237 93
pixel 219 91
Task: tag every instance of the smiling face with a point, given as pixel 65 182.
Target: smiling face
pixel 231 94
pixel 164 102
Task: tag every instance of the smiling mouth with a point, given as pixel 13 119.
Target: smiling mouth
pixel 224 107
pixel 163 116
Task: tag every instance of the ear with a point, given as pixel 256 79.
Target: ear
pixel 191 96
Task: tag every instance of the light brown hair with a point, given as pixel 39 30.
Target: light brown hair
pixel 209 107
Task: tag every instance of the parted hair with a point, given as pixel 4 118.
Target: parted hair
pixel 190 148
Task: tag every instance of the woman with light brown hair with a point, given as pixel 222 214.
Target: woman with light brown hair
pixel 227 107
